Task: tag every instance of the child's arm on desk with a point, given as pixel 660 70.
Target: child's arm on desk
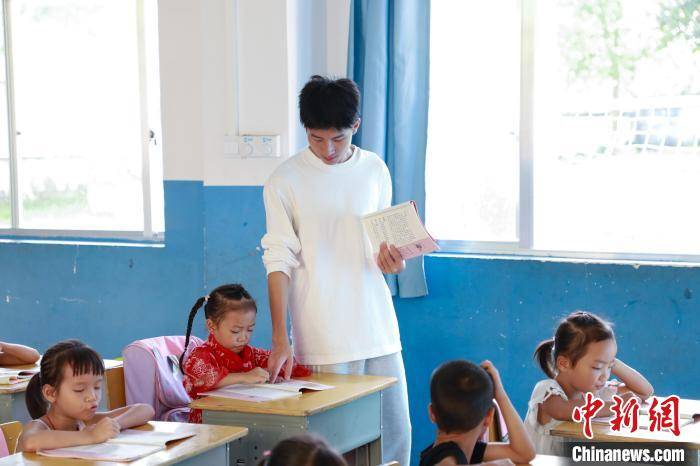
pixel 36 436
pixel 519 448
pixel 13 354
pixel 127 416
pixel 203 372
pixel 633 380
pixel 450 461
pixel 555 407
pixel 257 375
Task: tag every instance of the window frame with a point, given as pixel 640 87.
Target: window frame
pixel 148 137
pixel 523 247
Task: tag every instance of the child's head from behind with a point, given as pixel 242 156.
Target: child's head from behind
pixel 230 314
pixel 70 381
pixel 581 353
pixel 330 111
pixel 303 450
pixel 461 397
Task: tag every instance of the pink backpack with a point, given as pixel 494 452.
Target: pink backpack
pixel 4 451
pixel 152 375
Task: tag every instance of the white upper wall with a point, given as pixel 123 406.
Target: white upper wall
pixel 263 52
pixel 179 35
pixel 337 34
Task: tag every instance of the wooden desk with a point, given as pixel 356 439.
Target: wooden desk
pixel 690 434
pixel 12 397
pixel 548 460
pixel 208 447
pixel 687 408
pixel 348 416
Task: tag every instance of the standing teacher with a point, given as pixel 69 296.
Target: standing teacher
pixel 319 264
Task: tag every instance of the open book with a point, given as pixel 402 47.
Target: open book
pixel 129 445
pixel 687 409
pixel 14 376
pixel 643 422
pixel 399 225
pixel 267 391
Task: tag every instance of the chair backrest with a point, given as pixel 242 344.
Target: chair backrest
pixel 8 440
pixel 498 431
pixel 391 463
pixel 116 394
pixel 152 376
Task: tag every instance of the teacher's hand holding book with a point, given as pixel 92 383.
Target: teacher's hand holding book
pixel 389 259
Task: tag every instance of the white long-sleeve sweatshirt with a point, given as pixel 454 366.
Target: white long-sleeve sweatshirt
pixel 340 306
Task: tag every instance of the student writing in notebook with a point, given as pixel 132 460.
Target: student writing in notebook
pixel 579 358
pixel 226 358
pixel 63 397
pixel 461 404
pixel 13 354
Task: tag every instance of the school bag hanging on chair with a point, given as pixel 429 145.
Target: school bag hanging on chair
pixel 152 375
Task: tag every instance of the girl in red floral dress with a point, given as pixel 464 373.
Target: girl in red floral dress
pixel 226 357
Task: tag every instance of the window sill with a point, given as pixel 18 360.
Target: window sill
pixel 573 258
pixel 64 238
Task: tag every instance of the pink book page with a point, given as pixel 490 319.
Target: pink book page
pixel 425 246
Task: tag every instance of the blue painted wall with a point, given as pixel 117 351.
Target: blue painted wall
pixel 477 308
pixel 105 295
pixel 235 223
pixel 500 309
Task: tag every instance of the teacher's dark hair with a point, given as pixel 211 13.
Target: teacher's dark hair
pixel 326 103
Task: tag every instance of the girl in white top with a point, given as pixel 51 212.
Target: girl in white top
pixel 579 359
pixel 63 397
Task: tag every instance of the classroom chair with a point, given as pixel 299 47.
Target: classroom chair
pixel 152 375
pixel 497 431
pixel 116 396
pixel 8 440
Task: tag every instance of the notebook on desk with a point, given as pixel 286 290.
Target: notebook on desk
pixel 268 391
pixel 127 446
pixel 15 376
pixel 687 409
pixel 643 422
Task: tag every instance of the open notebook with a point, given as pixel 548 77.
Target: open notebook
pixel 267 391
pixel 643 422
pixel 687 409
pixel 688 413
pixel 127 446
pixel 14 376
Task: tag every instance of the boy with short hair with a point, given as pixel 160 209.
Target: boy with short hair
pixel 461 404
